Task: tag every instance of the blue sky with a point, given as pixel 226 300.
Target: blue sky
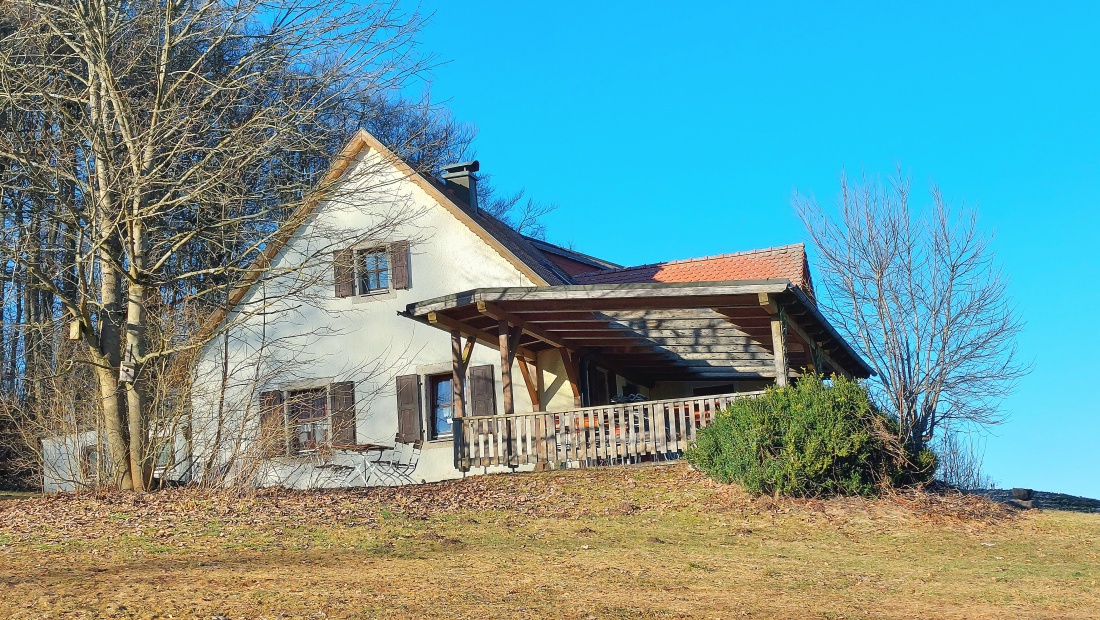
pixel 670 130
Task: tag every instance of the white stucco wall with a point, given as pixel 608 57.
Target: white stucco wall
pixel 61 471
pixel 62 462
pixel 315 337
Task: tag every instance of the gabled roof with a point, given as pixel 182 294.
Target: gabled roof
pixel 784 262
pixel 513 246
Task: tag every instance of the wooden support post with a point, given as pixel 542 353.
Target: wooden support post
pixel 507 356
pixel 572 372
pixel 460 361
pixel 779 337
pixel 779 344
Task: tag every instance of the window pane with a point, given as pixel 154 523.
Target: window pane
pixel 308 405
pixel 384 279
pixel 441 406
pixel 372 281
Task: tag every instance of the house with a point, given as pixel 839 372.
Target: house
pixel 419 339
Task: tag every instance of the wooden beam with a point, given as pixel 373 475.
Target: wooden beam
pixel 817 349
pixel 655 299
pixel 558 341
pixel 572 373
pixel 767 302
pixel 481 335
pixel 529 379
pixel 493 311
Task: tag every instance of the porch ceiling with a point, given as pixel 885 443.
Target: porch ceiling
pixel 653 332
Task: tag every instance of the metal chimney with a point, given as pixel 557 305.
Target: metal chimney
pixel 461 180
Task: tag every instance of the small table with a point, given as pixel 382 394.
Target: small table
pixel 368 468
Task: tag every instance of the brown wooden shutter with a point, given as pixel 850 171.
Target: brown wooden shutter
pixel 343 272
pixel 408 408
pixel 483 394
pixel 272 423
pixel 400 276
pixel 342 403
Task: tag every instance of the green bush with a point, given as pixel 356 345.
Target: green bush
pixel 814 438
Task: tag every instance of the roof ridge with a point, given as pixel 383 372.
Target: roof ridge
pixel 682 261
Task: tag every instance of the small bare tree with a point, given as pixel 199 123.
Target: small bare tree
pixel 959 457
pixel 920 294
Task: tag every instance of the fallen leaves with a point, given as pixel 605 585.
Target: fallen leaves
pixel 176 516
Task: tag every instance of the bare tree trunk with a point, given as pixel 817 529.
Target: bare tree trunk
pixel 107 372
pixel 135 353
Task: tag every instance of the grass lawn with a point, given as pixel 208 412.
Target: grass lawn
pixel 647 542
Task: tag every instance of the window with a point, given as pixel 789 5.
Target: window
pixel 441 405
pixel 371 271
pixel 307 413
pixel 374 271
pixel 304 420
pixel 164 449
pixel 89 463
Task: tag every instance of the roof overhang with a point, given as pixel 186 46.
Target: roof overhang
pixel 653 331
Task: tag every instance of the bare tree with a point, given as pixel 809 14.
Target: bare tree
pixel 919 292
pixel 959 457
pixel 151 154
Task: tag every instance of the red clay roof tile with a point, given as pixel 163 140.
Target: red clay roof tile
pixel 788 261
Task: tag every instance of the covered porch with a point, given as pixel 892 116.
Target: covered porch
pixel 643 366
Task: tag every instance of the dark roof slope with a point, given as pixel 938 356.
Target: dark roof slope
pixel 571 261
pixel 507 236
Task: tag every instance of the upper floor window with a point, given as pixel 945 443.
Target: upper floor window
pixel 372 270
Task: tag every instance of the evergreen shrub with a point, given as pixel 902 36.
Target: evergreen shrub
pixel 816 437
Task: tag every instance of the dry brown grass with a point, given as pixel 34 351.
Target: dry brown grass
pixel 654 542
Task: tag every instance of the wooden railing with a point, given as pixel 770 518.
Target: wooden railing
pixel 605 435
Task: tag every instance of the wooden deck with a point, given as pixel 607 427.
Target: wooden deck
pixel 593 436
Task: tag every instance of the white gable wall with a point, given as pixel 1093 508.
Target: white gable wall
pixel 313 337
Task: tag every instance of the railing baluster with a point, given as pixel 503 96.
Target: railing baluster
pixel 601 435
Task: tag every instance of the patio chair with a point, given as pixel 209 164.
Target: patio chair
pixel 403 461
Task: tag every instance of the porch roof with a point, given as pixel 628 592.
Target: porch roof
pixel 651 332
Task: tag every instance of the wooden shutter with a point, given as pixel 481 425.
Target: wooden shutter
pixel 342 405
pixel 343 272
pixel 272 423
pixel 408 408
pixel 400 276
pixel 483 395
